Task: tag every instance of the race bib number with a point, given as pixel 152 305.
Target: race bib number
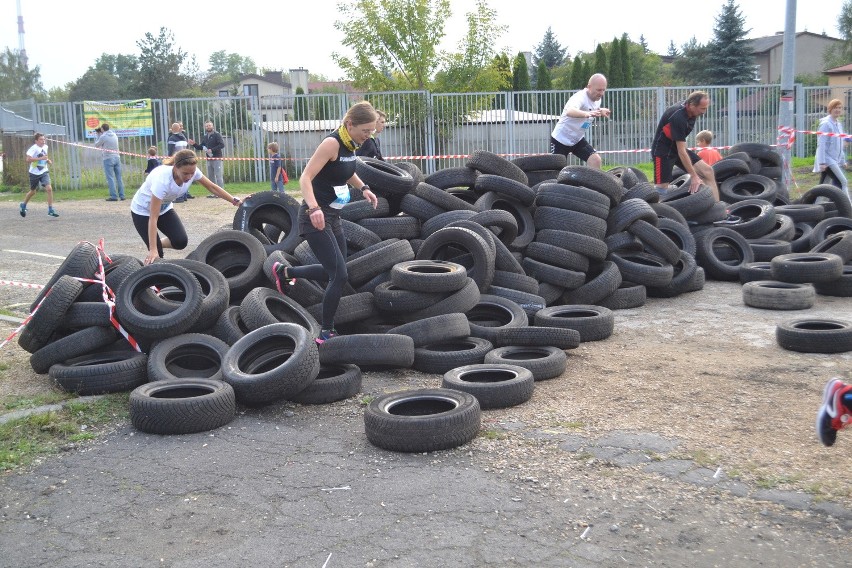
pixel 343 196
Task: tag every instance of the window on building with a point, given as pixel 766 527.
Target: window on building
pixel 224 93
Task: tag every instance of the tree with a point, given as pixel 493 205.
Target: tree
pixel 615 73
pixel 503 68
pixel 578 77
pixel 17 81
pixel 399 50
pixel 690 68
pixel 627 60
pixel 300 106
pixel 470 69
pixel 644 43
pixel 160 66
pixel 520 73
pixel 543 80
pixel 672 51
pixel 729 60
pixel 549 51
pixel 229 67
pixel 97 85
pixel 601 65
pixel 835 56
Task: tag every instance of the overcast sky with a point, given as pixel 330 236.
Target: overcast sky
pixel 64 37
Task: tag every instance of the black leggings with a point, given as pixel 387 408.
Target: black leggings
pixel 329 246
pixel 168 223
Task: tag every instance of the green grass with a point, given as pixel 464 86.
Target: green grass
pixel 21 402
pixel 24 440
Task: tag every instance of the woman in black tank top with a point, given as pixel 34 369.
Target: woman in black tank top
pixel 325 185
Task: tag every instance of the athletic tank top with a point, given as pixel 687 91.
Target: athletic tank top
pixel 334 173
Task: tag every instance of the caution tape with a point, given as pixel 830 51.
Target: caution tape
pixel 107 295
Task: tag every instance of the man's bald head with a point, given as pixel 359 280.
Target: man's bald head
pixel 596 86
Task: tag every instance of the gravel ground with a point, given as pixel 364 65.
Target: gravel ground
pixel 689 415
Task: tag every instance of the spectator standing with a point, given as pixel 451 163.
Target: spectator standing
pixel 371 147
pixel 277 172
pixel 108 143
pixel 707 154
pixel 669 146
pixel 579 114
pixel 39 162
pixel 212 145
pixel 830 160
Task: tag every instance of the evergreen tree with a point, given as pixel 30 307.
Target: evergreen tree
pixel 577 77
pixel 601 65
pixel 300 105
pixel 17 81
pixel 587 72
pixel 549 51
pixel 627 61
pixel 615 72
pixel 520 73
pixel 672 51
pixel 691 67
pixel 644 43
pixel 543 80
pixel 504 70
pixel 729 60
pixel 835 56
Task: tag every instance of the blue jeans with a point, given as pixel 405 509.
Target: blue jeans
pixel 277 185
pixel 112 168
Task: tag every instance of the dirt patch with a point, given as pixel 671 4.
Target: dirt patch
pixel 702 371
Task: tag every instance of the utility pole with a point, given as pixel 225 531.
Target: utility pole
pixel 785 111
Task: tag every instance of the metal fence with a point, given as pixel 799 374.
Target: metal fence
pixel 432 130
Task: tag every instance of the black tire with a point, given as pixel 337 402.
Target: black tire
pixel 74 345
pixel 675 232
pixel 188 355
pixel 758 217
pixel 492 313
pixel 772 295
pixel 801 267
pixel 493 385
pixel 729 167
pixel 540 162
pixel 629 211
pixel 440 357
pixel 416 208
pixel 557 256
pixel 436 247
pixel 644 190
pixel 784 229
pixel 530 303
pixel 711 243
pixel 665 211
pixel 101 372
pixel 423 420
pixel 444 220
pixel 815 335
pixel 521 213
pixel 355 307
pixel 413 169
pixel 811 213
pixel 506 187
pixel 447 178
pixel 115 273
pixel 429 275
pixel 593 322
pixel 689 204
pixel 47 318
pixel 437 328
pixel 751 271
pixel 627 296
pixel 643 268
pixel 801 241
pixel 273 214
pixel 230 326
pixel 237 255
pixel 602 280
pixel 369 350
pixel 562 219
pixel 490 163
pixel 519 282
pixel 766 249
pixel 840 288
pixel 600 181
pixel 627 176
pixel 358 237
pixel 362 209
pixel 591 247
pixel 828 227
pixel 572 197
pixel 81 262
pixel 833 194
pixel 683 274
pixel 182 406
pixel 86 314
pixel 502 223
pixel 537 336
pixel 216 294
pixel 334 382
pixel 264 306
pixel 460 302
pixel 543 362
pixel 272 363
pixel 443 199
pixel 368 266
pixel 393 299
pixel 545 272
pixel 747 186
pixel 762 152
pixel 383 177
pixel 838 243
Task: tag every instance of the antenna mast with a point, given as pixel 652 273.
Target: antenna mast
pixel 21 49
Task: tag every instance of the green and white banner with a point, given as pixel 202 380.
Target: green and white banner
pixel 133 118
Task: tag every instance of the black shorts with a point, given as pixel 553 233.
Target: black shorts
pixel 36 179
pixel 581 149
pixel 663 166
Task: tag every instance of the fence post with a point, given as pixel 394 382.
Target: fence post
pixel 510 127
pixel 799 119
pixel 733 114
pixel 430 134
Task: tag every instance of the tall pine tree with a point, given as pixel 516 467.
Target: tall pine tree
pixel 627 61
pixel 601 65
pixel 549 51
pixel 615 73
pixel 730 60
pixel 577 77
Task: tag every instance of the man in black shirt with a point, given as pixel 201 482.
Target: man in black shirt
pixel 669 146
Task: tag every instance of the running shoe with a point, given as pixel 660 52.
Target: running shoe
pixel 833 415
pixel 279 270
pixel 23 209
pixel 52 213
pixel 325 335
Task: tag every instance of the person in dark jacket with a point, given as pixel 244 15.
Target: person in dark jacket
pixel 212 144
pixel 371 148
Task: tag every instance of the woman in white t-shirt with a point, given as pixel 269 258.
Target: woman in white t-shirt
pixel 152 208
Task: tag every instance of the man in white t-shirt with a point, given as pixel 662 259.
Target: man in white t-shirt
pixel 579 114
pixel 38 170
